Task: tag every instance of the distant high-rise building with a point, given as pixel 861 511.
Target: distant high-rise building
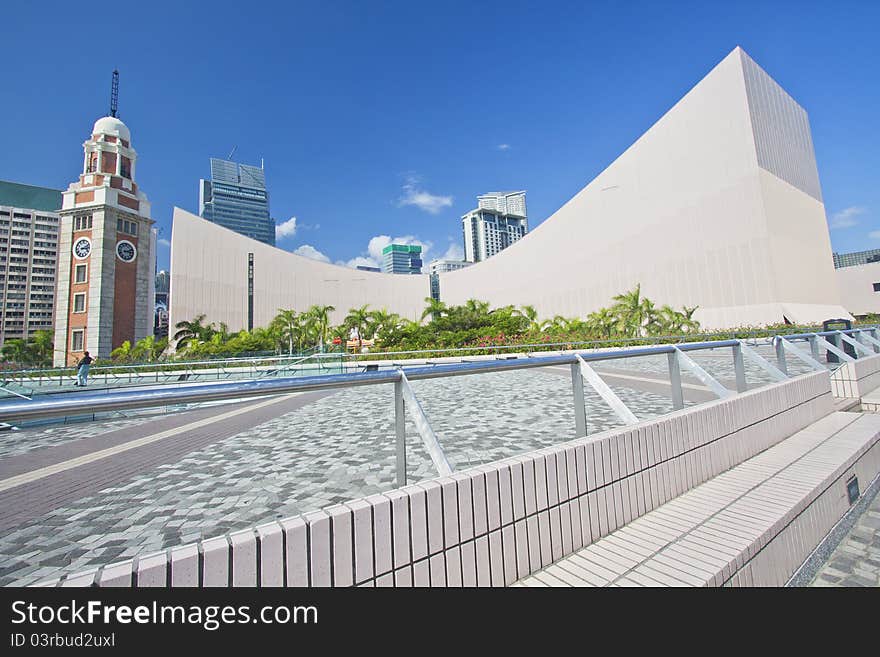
pixel 29 222
pixel 236 198
pixel 504 202
pixel 443 266
pixel 437 267
pixel 856 258
pixel 402 259
pixel 160 320
pixel 499 220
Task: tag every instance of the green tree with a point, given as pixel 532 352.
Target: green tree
pixel 189 331
pixel 358 318
pixel 122 353
pixel 602 322
pixel 16 351
pixel 531 315
pixel 321 315
pixel 42 346
pixel 435 309
pixel 635 313
pixel 289 327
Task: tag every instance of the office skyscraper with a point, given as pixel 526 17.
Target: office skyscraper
pixel 236 198
pixel 402 259
pixel 856 258
pixel 499 220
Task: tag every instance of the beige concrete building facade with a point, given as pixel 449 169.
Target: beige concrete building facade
pixel 860 288
pixel 243 282
pixel 718 205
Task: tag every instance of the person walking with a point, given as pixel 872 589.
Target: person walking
pixel 82 369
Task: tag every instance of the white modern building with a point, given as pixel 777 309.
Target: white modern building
pixel 444 266
pixel 504 202
pixel 858 275
pixel 492 226
pixel 717 205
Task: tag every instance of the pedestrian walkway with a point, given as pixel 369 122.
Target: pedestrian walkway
pixel 856 560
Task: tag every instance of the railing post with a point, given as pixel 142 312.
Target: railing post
pixel 675 380
pixel 580 411
pixel 780 354
pixel 400 432
pixel 740 369
pixel 814 347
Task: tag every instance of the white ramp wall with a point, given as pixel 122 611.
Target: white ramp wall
pixel 688 212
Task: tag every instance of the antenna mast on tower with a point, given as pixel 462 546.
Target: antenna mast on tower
pixel 114 94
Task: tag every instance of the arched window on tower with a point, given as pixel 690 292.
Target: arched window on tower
pixel 93 162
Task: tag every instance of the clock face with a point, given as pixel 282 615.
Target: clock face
pixel 82 248
pixel 125 250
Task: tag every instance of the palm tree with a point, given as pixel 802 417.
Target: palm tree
pixel 190 331
pixel 689 323
pixel 435 308
pixel 477 307
pixel 381 319
pixel 147 349
pixel 289 327
pixel 634 312
pixel 122 353
pixel 358 318
pixel 15 350
pixel 603 322
pixel 669 321
pixel 42 345
pixel 322 321
pixel 530 314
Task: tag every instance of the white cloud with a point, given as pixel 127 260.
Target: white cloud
pixel 874 234
pixel 286 229
pixel 454 252
pixel 422 199
pixel 164 242
pixel 503 147
pixel 308 251
pixel 846 218
pixel 360 261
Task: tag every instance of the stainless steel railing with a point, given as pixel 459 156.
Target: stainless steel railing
pixel 88 403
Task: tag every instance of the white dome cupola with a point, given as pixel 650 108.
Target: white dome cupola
pixel 110 125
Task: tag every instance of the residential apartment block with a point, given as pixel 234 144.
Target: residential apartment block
pixel 29 222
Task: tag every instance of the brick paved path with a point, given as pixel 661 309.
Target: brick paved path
pixel 856 561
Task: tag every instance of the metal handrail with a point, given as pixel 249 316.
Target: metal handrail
pixel 80 403
pixel 178 366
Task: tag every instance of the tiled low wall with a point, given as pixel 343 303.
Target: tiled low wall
pixel 857 378
pixel 813 519
pixel 491 525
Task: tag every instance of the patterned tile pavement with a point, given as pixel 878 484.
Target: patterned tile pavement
pixel 856 560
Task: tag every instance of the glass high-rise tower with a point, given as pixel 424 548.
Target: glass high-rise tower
pixel 236 198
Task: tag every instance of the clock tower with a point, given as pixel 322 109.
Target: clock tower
pixel 106 247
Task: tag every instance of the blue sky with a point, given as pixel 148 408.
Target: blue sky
pixel 388 118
